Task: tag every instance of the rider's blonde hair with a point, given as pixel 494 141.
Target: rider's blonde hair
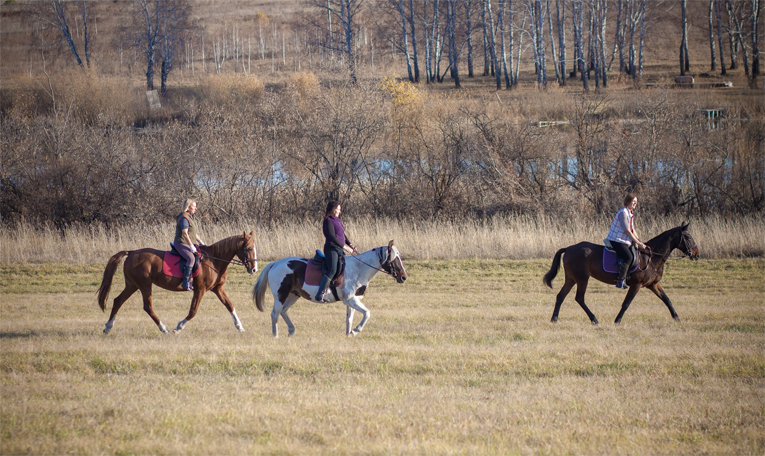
pixel 187 203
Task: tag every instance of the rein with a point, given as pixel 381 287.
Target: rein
pixel 234 260
pixel 369 265
pixel 649 252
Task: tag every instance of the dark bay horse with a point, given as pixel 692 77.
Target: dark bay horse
pixel 585 260
pixel 144 267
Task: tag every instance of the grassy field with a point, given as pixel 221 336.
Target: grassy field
pixel 462 359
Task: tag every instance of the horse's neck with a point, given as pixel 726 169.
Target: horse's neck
pixel 222 250
pixel 367 265
pixel 663 245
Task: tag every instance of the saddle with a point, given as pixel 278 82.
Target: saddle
pixel 610 260
pixel 173 262
pixel 314 273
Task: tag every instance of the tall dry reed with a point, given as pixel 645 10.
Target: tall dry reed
pixel 521 237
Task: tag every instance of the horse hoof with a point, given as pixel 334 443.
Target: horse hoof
pixel 595 323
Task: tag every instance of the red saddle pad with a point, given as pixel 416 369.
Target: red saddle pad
pixel 313 275
pixel 171 266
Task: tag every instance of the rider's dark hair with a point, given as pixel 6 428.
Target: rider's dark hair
pixel 628 199
pixel 331 208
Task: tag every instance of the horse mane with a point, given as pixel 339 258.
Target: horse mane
pixel 229 244
pixel 664 240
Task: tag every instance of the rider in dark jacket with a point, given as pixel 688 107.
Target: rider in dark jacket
pixel 336 245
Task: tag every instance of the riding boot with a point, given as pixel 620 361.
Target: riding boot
pixel 322 289
pixel 620 278
pixel 187 278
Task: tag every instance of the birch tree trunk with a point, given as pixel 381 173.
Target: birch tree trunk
pixel 560 8
pixel 493 45
pixel 502 41
pixel 755 19
pixel 718 16
pixel 552 42
pixel 713 56
pixel 469 36
pixel 414 42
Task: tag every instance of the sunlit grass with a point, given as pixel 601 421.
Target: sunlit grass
pixel 461 359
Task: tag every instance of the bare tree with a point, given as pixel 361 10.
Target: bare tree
pixel 470 24
pixel 492 43
pixel 684 64
pixel 560 21
pixel 53 15
pixel 733 13
pixel 710 15
pixel 451 36
pixel 171 35
pixel 345 11
pixel 144 33
pixel 755 22
pixel 718 19
pixel 577 9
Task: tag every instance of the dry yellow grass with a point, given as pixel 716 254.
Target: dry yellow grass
pixel 461 359
pixel 521 237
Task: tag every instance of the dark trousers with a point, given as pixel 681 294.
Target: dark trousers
pixel 333 258
pixel 623 251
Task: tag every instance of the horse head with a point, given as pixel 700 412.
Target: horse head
pixel 393 264
pixel 247 254
pixel 687 245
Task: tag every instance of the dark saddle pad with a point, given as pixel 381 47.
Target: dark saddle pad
pixel 610 261
pixel 171 263
pixel 314 273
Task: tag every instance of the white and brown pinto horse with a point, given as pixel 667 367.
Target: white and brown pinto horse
pixel 286 277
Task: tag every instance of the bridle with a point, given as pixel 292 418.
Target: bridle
pixel 243 251
pixel 688 249
pixel 380 255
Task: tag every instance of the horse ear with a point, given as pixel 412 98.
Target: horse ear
pixel 390 244
pixel 685 225
pixel 252 233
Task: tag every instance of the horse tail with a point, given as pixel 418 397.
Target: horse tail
pixel 259 290
pixel 106 282
pixel 548 278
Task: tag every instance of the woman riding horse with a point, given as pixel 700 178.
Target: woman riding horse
pixel 186 233
pixel 622 235
pixel 336 245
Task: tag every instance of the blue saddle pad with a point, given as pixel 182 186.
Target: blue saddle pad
pixel 609 262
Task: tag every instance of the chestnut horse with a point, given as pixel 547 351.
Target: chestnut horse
pixel 144 267
pixel 585 260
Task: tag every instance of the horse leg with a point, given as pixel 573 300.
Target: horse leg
pixel 148 307
pixel 631 293
pixel 291 299
pixel 581 289
pixel 348 320
pixel 195 300
pixel 565 289
pixel 130 288
pixel 659 291
pixel 221 294
pixel 356 304
pixel 278 306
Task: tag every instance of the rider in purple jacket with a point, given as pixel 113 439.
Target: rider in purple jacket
pixel 336 245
